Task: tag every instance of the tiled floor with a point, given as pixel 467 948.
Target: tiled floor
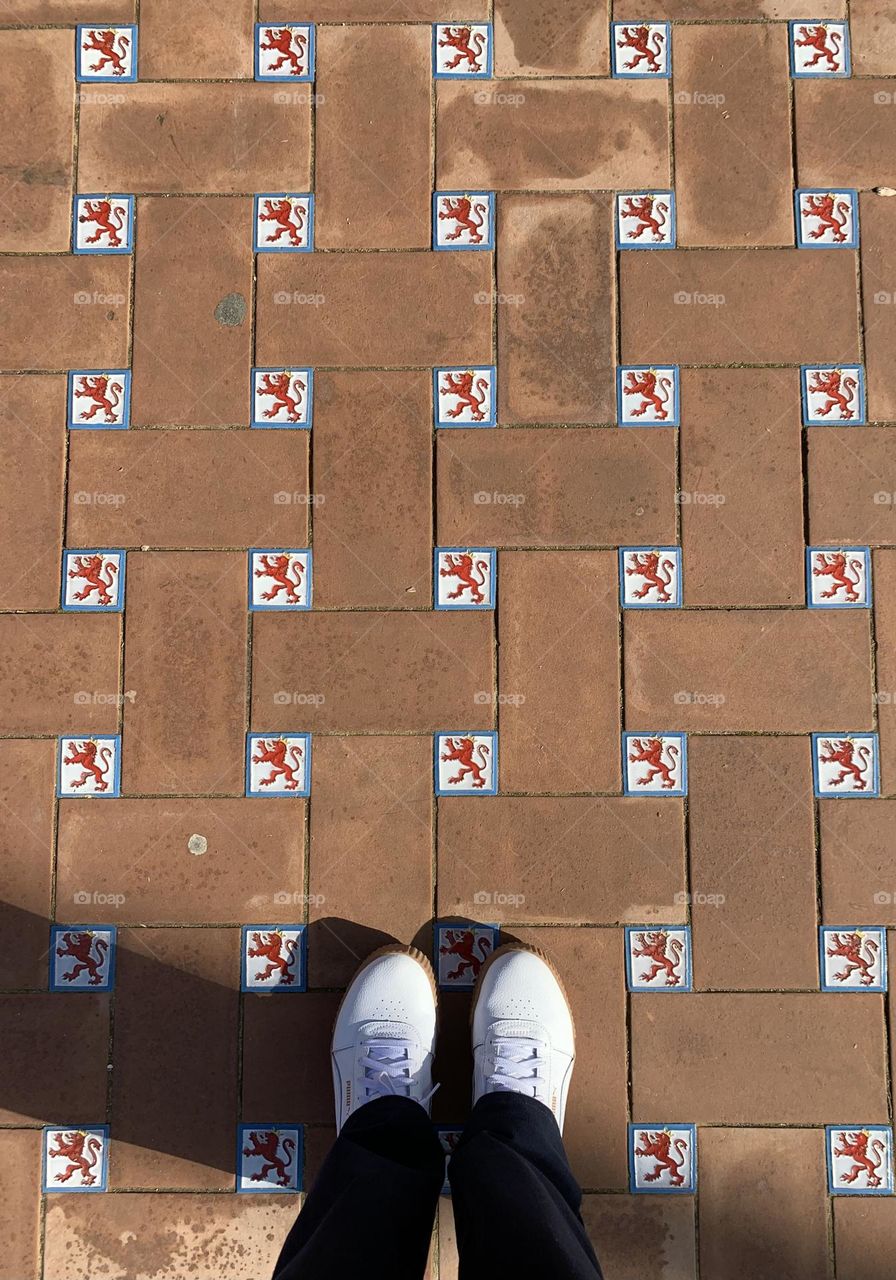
pixel 490 491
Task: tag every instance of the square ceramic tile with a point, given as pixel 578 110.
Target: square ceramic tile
pixel 284 223
pixel 103 224
pixel 860 1160
pixel 465 397
pixel 832 394
pixel 99 400
pixel 282 397
pixel 284 52
pixel 662 1158
pixel 465 577
pixel 845 764
pixel 106 54
pixel 463 220
pixel 826 219
pixel 279 580
pixel 650 577
pixel 838 578
pixel 449 1136
pixel 270 1157
pixel 462 51
pixel 93 581
pixel 278 764
pixel 466 764
pixel 274 957
pixel 82 957
pixel 647 396
pixel 658 957
pixel 461 951
pixel 853 959
pixel 655 764
pixel 819 48
pixel 642 49
pixel 89 766
pixel 645 220
pixel 75 1159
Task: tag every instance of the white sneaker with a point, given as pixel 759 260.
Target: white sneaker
pixel 523 1033
pixel 385 1032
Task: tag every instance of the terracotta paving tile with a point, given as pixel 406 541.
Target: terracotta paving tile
pixel 728 306
pixel 36 190
pixel 771 1225
pixel 70 11
pixel 533 40
pixel 374 187
pixel 884 577
pixel 559 732
pixel 611 860
pixel 27 784
pixel 373 517
pixel 843 132
pixel 637 1236
pixel 32 479
pixel 733 665
pixel 79 1030
pixel 566 488
pixel 863 1229
pixel 451 653
pixel 872 28
pixel 852 486
pixel 718 112
pixel 556 335
pixel 56 672
pixel 185 640
pixel 145 852
pixel 365 788
pixel 878 255
pixel 178 41
pixel 65 312
pixel 721 10
pixel 747 1059
pixel 345 324
pixel 164 479
pixel 367 10
pixel 562 135
pixel 858 861
pixel 19 1205
pixel 752 845
pixel 289 1084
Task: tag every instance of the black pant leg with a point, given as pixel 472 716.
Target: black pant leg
pixel 516 1202
pixel 370 1212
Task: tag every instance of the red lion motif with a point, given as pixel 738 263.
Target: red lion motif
pixel 286 390
pixel 278 568
pixel 102 213
pixel 665 952
pixel 855 1147
pixel 70 1146
pixel 817 38
pixel 659 1146
pixel 835 566
pixel 265 1145
pixel 272 947
pixel 96 389
pixel 638 38
pixel 462 386
pixel 823 208
pixel 462 943
pixel 649 567
pixel 828 383
pixel 104 42
pixel 280 40
pixel 651 215
pixel 281 212
pixel 463 567
pixel 90 568
pixel 469 49
pixel 276 753
pixel 463 750
pixel 461 211
pixel 651 752
pixel 849 945
pixel 85 753
pixel 844 752
pixel 80 947
pixel 646 386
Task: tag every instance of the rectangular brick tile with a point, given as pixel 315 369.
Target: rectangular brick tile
pixel 373 889
pixel 444 307
pixel 632 1234
pixel 27 784
pixel 846 137
pixel 46 660
pixel 727 62
pixel 556 325
pixel 141 849
pixel 726 306
pixel 368 11
pixel 877 215
pixel 552 135
pixel 533 40
pixel 36 163
pixel 32 476
pixel 790 1059
pixel 883 571
pixel 872 37
pixel 78 1030
pixel 734 665
pixel 771 1225
pixel 223 138
pixel 185 643
pixel 175 989
pixel 741 487
pixel 852 486
pixel 858 861
pixel 558 678
pixel 67 312
pixel 189 489
pixel 177 40
pixel 19 1204
pixel 520 488
pixel 373 166
pixel 203 382
pixel 751 808
pixel 373 520
pixel 368 670
pixel 35 12
pixel 712 10
pixel 864 1227
pixel 295 1086
pixel 575 861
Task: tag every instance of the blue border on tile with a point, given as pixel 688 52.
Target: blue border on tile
pixel 120 580
pixel 675 603
pixel 873 792
pixel 253 737
pixel 492 735
pixel 683 757
pixel 56 930
pixel 852 242
pixel 819 75
pixel 463 75
pixel 124 403
pixel 134 35
pixel 631 244
pixel 283 248
pixel 282 426
pixel 298 1157
pixel 246 986
pixel 833 1189
pixel 687 979
pixel 878 989
pixel 126 248
pixel 308 579
pixel 308 77
pixel 661 1191
pixel 865 553
pixel 641 75
pixel 489 603
pixel 115 790
pixel 674 418
pixel 439 926
pixel 487 243
pixel 491 418
pixel 103 1182
pixel 861 417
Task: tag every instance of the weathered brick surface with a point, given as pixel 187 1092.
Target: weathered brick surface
pixel 64 313
pixel 844 136
pixel 852 486
pixel 873 32
pixel 178 40
pixel 532 39
pixel 58 673
pixel 878 256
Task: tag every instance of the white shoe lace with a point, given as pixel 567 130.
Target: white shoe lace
pixel 518 1064
pixel 390 1071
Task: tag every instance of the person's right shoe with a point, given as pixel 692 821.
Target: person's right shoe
pixel 523 1034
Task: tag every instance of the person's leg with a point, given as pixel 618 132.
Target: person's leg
pixel 371 1209
pixel 516 1202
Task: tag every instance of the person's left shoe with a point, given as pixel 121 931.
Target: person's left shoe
pixel 385 1032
